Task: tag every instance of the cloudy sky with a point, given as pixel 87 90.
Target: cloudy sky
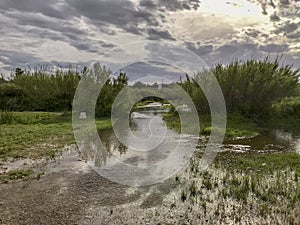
pixel 37 32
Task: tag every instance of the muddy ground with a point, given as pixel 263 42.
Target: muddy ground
pixel 70 192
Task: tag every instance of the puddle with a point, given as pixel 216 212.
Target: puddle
pixel 273 141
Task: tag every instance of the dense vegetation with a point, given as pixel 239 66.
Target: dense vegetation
pixel 254 89
pixel 251 88
pixel 53 92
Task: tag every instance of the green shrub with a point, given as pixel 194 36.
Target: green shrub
pixel 287 107
pixel 249 88
pixel 6 117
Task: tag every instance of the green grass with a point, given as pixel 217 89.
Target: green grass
pixel 266 163
pixel 15 175
pixel 237 126
pixel 36 135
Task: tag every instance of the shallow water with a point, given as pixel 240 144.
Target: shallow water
pixel 272 141
pixel 146 154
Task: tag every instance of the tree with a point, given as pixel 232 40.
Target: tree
pixel 18 71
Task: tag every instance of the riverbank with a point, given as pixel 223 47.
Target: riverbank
pixel 237 126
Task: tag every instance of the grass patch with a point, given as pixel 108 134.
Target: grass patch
pixel 267 163
pixel 26 118
pixel 237 126
pixel 38 135
pixel 15 175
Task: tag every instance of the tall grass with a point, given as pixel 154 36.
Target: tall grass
pixel 6 117
pixel 288 107
pixel 249 88
pixel 48 92
pixel 40 90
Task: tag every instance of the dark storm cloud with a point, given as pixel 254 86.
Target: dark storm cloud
pixel 284 2
pixel 141 70
pixel 154 34
pixel 279 10
pixel 55 29
pixel 294 35
pixel 121 13
pixel 288 29
pixel 199 50
pixel 51 8
pixel 149 4
pixel 13 59
pixel 274 17
pixel 175 5
pixel 171 5
pixel 232 51
pixel 44 22
pixel 228 49
pixel 274 48
pixel 253 33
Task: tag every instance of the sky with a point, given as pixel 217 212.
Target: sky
pixel 35 32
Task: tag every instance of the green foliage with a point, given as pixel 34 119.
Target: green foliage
pixel 249 88
pixel 287 107
pixel 12 97
pixel 47 92
pixel 54 92
pixel 108 93
pixel 193 189
pixel 6 117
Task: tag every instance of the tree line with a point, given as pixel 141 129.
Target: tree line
pixel 53 92
pixel 252 88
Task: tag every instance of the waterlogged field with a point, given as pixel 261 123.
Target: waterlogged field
pixel 35 136
pixel 255 179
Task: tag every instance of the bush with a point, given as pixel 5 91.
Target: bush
pixel 287 107
pixel 249 88
pixel 12 97
pixel 6 117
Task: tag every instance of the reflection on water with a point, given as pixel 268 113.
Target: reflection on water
pixel 150 152
pixel 147 127
pixel 143 160
pixel 274 141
